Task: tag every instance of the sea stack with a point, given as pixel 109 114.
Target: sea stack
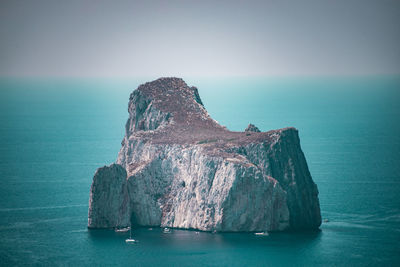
pixel 179 168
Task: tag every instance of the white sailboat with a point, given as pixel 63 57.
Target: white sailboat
pixel 262 234
pixel 130 239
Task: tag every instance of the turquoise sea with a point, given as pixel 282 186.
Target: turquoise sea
pixel 54 133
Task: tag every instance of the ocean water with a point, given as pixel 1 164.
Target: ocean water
pixel 54 133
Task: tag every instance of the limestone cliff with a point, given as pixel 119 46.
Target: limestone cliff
pixel 178 167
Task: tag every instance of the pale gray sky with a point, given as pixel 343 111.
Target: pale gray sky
pixel 199 38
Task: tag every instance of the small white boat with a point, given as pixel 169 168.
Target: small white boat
pixel 167 230
pixel 262 234
pixel 130 239
pixel 122 230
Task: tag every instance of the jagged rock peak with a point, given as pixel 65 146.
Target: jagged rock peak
pixel 171 92
pixel 252 128
pixel 170 85
pixel 167 101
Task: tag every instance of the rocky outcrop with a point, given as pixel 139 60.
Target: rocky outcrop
pixel 178 167
pixel 252 128
pixel 109 198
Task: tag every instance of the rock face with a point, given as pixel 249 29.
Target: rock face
pixel 179 168
pixel 109 199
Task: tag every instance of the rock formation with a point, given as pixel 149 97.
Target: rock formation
pixel 252 128
pixel 179 168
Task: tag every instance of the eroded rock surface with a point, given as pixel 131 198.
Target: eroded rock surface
pixel 178 167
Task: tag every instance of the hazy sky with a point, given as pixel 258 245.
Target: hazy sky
pixel 199 38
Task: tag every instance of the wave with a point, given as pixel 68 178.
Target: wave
pixel 388 219
pixel 43 208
